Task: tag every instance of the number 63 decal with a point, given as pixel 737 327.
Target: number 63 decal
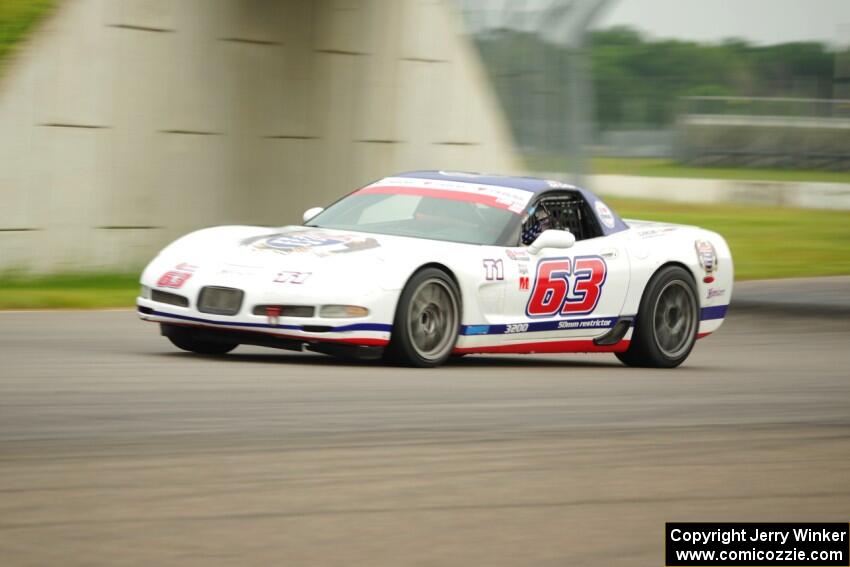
pixel 567 286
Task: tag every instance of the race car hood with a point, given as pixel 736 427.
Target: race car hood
pixel 307 245
pixel 265 254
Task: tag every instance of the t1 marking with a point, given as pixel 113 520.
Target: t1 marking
pixel 553 295
pixel 494 269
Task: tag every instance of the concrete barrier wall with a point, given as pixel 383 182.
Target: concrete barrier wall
pixel 125 123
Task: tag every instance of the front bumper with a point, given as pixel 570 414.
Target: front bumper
pixel 282 332
pixel 348 350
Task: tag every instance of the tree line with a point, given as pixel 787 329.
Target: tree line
pixel 638 81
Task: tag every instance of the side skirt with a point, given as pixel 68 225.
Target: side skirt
pixel 552 347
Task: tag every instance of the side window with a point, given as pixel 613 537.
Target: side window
pixel 563 210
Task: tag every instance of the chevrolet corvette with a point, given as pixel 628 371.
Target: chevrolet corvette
pixel 419 267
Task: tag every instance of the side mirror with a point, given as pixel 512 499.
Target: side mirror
pixel 310 213
pixel 552 239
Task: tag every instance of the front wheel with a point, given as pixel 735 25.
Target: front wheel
pixel 427 319
pixel 667 321
pixel 185 340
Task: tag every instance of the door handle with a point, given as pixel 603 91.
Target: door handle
pixel 608 253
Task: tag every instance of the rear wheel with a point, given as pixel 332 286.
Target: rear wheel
pixel 184 339
pixel 667 321
pixel 427 318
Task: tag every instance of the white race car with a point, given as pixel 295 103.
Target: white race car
pixel 423 266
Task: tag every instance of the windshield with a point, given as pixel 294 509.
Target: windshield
pixel 456 212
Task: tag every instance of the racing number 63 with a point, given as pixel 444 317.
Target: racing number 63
pixel 551 293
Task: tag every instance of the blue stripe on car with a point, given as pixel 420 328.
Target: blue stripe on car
pixel 715 312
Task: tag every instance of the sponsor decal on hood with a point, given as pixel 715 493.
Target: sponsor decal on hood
pixel 317 242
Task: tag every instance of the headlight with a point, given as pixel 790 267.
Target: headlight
pixel 342 311
pixel 145 292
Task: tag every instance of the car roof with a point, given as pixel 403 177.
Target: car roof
pixel 533 184
pixel 610 222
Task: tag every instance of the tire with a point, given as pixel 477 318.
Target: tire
pixel 427 320
pixel 185 341
pixel 667 321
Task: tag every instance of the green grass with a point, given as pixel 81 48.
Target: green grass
pixel 17 17
pixel 765 242
pixel 72 291
pixel 646 167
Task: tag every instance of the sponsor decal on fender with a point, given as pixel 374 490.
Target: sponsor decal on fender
pixel 654 232
pixel 605 214
pixel 521 255
pixel 714 292
pixel 707 255
pixel 185 267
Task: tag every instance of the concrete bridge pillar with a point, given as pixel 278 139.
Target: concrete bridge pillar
pixel 125 123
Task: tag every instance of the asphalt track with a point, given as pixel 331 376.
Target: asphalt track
pixel 115 449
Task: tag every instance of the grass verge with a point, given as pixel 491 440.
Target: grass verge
pixel 765 242
pixel 71 291
pixel 646 167
pixel 17 18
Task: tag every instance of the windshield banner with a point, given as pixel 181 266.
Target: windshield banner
pixel 514 200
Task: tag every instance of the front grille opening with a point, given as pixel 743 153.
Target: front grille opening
pixel 220 300
pixel 170 298
pixel 287 310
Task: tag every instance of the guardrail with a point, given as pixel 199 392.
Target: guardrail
pixel 798 133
